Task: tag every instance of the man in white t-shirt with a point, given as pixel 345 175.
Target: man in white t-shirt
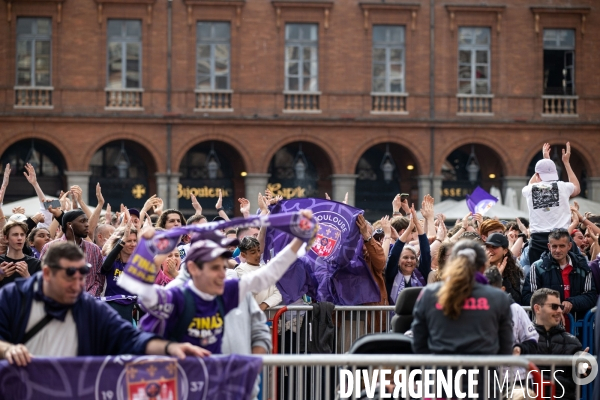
pixel 548 200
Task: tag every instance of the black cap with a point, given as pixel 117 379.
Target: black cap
pixel 497 240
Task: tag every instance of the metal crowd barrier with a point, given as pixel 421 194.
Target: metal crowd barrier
pixel 552 363
pixel 292 326
pixel 317 377
pixel 589 322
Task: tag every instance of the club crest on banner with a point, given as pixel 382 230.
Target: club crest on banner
pixel 155 378
pixel 151 380
pixel 331 226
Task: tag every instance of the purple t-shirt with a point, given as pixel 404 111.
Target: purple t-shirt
pixel 113 291
pixel 205 329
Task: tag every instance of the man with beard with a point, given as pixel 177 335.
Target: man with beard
pixel 75 226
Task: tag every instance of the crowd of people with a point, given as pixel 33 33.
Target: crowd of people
pixel 210 293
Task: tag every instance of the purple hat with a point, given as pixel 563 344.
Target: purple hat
pixel 546 169
pixel 134 211
pixel 205 251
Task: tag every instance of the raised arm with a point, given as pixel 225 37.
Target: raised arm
pixel 387 236
pixel 96 214
pixel 264 210
pixel 32 179
pixel 588 224
pixel 219 207
pixel 244 207
pixel 566 155
pixel 5 180
pixel 391 268
pixel 427 213
pixel 196 205
pixel 78 197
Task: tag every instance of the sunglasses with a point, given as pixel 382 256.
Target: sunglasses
pixel 378 234
pixel 70 271
pixel 555 306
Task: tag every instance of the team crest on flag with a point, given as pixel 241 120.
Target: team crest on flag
pixel 156 380
pixel 327 240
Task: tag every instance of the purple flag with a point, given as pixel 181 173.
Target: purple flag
pixel 334 269
pixel 480 201
pixel 141 268
pixel 131 378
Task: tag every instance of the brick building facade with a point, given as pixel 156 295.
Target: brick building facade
pixel 305 96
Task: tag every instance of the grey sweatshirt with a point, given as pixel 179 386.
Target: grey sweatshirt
pixel 483 327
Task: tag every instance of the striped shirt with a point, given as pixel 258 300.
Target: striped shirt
pixel 94 281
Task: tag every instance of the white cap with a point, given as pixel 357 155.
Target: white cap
pixel 18 217
pixel 546 169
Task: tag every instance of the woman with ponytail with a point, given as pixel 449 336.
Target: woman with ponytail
pixel 461 314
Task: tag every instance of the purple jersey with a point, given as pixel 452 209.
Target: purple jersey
pixel 113 291
pixel 205 329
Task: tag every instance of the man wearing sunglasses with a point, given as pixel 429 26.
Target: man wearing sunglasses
pixel 49 315
pixel 554 340
pixel 564 271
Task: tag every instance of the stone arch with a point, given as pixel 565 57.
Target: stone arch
pixel 159 162
pixel 334 161
pixel 235 145
pixel 456 176
pixel 195 175
pixel 374 191
pixel 49 162
pixel 420 159
pixel 490 143
pixel 139 180
pixel 47 137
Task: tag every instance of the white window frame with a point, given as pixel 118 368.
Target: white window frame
pixel 474 48
pixel 124 40
pixel 34 37
pixel 301 43
pixel 389 45
pixel 212 42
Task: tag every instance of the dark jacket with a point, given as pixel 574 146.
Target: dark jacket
pixel 392 268
pixel 546 273
pixel 514 292
pixel 100 330
pixel 557 341
pixel 33 265
pixel 321 331
pixel 595 268
pixel 483 327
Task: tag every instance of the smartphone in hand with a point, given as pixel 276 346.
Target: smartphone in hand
pixel 53 204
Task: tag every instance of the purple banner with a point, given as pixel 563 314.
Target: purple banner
pixel 141 266
pixel 131 378
pixel 334 269
pixel 480 201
